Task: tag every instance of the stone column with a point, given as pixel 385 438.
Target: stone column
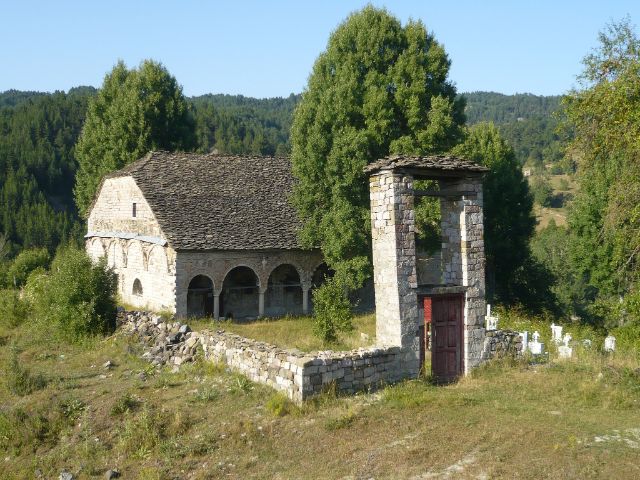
pixel 261 302
pixel 473 272
pixel 394 264
pixel 305 299
pixel 463 259
pixel 216 305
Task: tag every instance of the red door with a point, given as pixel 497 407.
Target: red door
pixel 445 313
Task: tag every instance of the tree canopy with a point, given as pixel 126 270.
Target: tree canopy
pixel 509 222
pixel 605 217
pixel 379 88
pixel 135 111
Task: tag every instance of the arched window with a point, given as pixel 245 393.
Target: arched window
pixel 137 288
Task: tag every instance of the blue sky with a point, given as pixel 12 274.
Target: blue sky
pixel 267 48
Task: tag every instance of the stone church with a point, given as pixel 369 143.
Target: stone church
pixel 204 235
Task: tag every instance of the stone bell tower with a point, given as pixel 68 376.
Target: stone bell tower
pixel 397 287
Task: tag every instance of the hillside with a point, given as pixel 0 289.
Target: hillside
pixel 39 131
pixel 88 409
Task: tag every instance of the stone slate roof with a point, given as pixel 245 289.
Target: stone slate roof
pixel 218 202
pixel 431 163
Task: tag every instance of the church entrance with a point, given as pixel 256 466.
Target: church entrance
pixel 200 297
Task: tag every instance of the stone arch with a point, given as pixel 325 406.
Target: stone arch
pixel 200 297
pixel 284 291
pixel 136 289
pixel 240 295
pixel 96 249
pixel 135 256
pixel 157 260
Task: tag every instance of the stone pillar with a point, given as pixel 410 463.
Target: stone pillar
pixel 216 305
pixel 463 258
pixel 394 264
pixel 261 302
pixel 305 299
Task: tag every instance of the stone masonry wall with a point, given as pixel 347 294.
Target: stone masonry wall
pixel 298 375
pixel 394 263
pixel 501 343
pixel 134 246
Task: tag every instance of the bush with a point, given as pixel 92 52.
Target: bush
pixel 628 338
pixel 542 191
pixel 76 297
pixel 26 262
pixel 279 405
pixel 20 380
pixel 332 310
pixel 13 310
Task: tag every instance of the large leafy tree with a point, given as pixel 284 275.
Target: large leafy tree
pixel 379 88
pixel 135 111
pixel 513 276
pixel 605 216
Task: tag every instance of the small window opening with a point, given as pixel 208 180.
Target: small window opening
pixel 134 209
pixel 137 288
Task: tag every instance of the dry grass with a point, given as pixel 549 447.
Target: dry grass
pixel 563 185
pixel 297 332
pixel 571 419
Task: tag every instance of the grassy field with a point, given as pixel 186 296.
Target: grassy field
pixel 564 187
pixel 60 408
pixel 297 332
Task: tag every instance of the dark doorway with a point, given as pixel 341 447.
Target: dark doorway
pixel 284 292
pixel 240 294
pixel 444 317
pixel 321 274
pixel 200 297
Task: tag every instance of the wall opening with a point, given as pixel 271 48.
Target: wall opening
pixel 321 274
pixel 240 294
pixel 284 292
pixel 137 288
pixel 200 297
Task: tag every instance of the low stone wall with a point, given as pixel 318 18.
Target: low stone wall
pixel 298 375
pixel 501 343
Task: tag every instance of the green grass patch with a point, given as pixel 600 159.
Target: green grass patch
pixel 296 332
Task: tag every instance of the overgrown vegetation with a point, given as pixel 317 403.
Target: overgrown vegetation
pixel 75 298
pixel 581 416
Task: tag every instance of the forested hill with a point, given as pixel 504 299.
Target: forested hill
pixel 528 122
pixel 500 109
pixel 239 124
pixel 38 132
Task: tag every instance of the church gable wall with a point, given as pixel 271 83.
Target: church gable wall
pixel 113 210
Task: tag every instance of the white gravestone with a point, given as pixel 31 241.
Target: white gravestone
pixel 492 322
pixel 610 344
pixel 525 340
pixel 565 351
pixel 535 346
pixel 556 333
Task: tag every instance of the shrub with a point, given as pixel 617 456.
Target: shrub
pixel 542 191
pixel 628 338
pixel 26 262
pixel 76 296
pixel 279 405
pixel 332 310
pixel 13 310
pixel 20 380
